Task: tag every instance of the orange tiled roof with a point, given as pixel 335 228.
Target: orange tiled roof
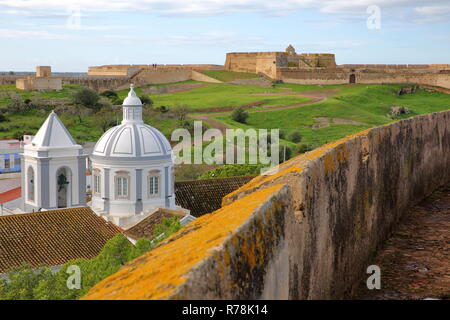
pixel 205 196
pixel 52 237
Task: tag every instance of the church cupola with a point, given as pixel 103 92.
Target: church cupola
pixel 132 169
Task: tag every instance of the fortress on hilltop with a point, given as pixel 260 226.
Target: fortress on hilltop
pixel 287 66
pixel 321 68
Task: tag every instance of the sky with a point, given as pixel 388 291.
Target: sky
pixel 72 35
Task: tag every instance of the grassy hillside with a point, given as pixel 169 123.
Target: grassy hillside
pixel 364 105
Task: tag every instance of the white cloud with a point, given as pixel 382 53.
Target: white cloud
pixel 418 9
pixel 29 34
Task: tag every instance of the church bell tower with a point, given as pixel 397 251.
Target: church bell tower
pixel 53 169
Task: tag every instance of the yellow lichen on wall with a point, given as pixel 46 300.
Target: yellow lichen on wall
pixel 297 164
pixel 158 273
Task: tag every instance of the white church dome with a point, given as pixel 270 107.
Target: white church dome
pixel 133 139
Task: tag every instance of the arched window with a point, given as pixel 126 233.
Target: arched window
pixel 30 183
pixel 122 180
pixel 154 184
pixel 97 181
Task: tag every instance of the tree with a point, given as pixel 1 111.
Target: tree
pixel 167 227
pixel 105 118
pixel 22 281
pixel 295 137
pixel 239 115
pixel 86 97
pixel 146 100
pixel 181 113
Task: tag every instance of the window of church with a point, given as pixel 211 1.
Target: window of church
pixel 97 181
pixel 122 185
pixel 153 185
pixel 30 183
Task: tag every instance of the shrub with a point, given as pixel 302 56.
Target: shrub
pixel 3 118
pixel 282 134
pixel 109 94
pixel 295 137
pixel 86 97
pixel 302 148
pixel 239 115
pixel 163 109
pixel 146 100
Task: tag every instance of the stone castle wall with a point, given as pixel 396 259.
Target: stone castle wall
pixel 307 231
pixel 131 70
pixel 339 75
pixel 268 62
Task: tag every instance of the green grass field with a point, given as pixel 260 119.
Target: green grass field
pixel 219 95
pixel 367 104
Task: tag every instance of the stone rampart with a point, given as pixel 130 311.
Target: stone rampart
pixel 306 231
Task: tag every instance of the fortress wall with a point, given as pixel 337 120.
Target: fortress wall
pixel 313 76
pixel 98 83
pixel 10 79
pixel 308 231
pixel 434 79
pixel 371 76
pixel 397 66
pixel 241 62
pixel 130 70
pixel 153 76
pixel 319 59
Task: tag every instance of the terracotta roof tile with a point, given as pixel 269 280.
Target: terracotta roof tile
pixel 52 237
pixel 205 196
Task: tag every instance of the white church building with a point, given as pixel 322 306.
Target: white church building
pixel 132 169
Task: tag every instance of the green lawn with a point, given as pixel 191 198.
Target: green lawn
pixel 227 76
pixel 219 95
pixel 367 104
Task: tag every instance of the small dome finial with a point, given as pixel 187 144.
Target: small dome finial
pixel 132 93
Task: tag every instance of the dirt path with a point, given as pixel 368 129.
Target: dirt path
pixel 415 262
pixel 314 95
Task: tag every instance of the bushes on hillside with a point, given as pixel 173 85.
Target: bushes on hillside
pixel 110 94
pixel 295 136
pixel 86 97
pixel 146 100
pixel 239 115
